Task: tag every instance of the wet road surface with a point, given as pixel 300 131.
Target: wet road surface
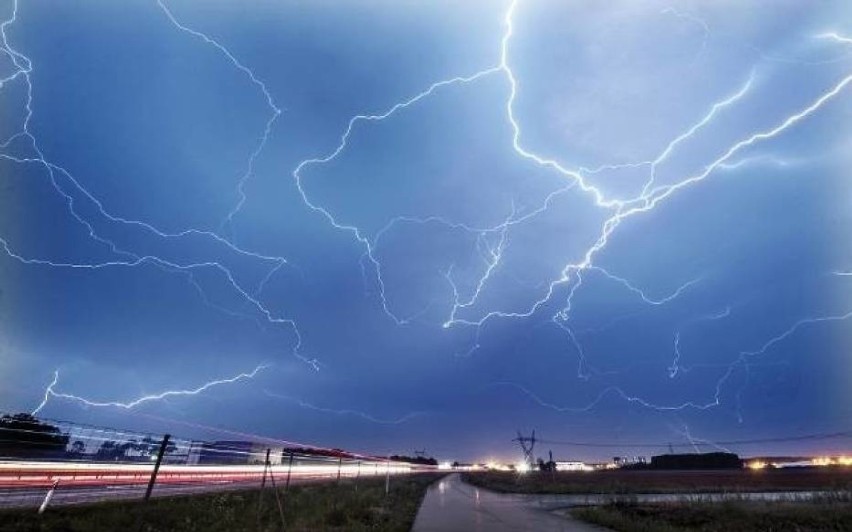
pixel 451 505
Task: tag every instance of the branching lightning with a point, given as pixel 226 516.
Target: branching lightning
pixel 697 442
pixel 834 36
pixel 51 392
pixel 639 292
pixel 623 209
pixel 129 259
pixel 705 29
pixel 463 307
pixel 346 411
pixel 341 146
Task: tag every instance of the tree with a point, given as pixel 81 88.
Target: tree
pixel 109 450
pixel 23 435
pixel 78 448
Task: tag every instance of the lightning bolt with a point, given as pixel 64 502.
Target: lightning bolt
pixel 765 160
pixel 705 29
pixel 47 393
pixel 341 146
pixel 51 392
pixel 656 302
pixel 675 366
pixel 23 68
pixel 347 412
pixel 683 137
pixel 275 111
pixel 834 36
pixel 741 361
pixel 571 275
pixel 696 442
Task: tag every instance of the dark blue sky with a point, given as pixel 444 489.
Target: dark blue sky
pixel 432 223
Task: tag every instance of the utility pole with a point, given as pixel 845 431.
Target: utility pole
pixel 387 478
pixel 275 490
pixel 262 485
pixel 156 470
pixel 289 470
pixel 358 475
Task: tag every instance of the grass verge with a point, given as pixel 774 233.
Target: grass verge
pixel 823 514
pixel 325 506
pixel 627 481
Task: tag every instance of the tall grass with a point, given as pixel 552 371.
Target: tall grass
pixel 326 506
pixel 830 511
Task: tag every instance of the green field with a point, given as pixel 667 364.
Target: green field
pixel 648 481
pixel 829 513
pixel 322 506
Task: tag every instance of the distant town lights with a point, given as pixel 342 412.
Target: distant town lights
pixel 832 461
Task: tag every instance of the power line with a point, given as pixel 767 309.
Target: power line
pixel 806 437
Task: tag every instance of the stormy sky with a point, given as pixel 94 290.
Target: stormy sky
pixel 389 226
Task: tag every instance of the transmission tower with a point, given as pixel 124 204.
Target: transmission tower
pixel 527 444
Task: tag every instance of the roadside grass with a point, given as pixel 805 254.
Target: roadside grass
pixel 832 512
pixel 649 481
pixel 321 506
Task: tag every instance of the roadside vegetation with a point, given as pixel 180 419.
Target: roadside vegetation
pixel 321 506
pixel 645 481
pixel 831 512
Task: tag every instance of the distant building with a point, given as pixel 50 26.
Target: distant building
pixel 237 453
pixel 573 466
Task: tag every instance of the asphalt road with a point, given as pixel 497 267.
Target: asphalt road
pixel 451 505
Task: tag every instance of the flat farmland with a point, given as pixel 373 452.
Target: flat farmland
pixel 651 481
